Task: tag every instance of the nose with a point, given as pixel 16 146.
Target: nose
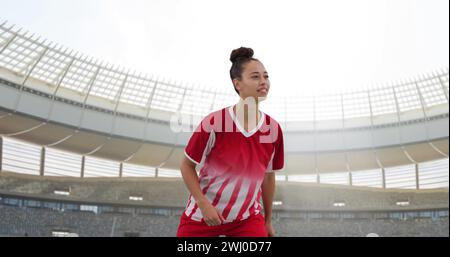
pixel 264 82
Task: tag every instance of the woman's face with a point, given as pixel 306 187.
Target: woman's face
pixel 254 81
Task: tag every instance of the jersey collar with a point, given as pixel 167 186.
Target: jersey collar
pixel 241 128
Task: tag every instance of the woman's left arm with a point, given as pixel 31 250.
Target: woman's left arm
pixel 268 192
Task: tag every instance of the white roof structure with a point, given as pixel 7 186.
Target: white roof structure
pixel 59 99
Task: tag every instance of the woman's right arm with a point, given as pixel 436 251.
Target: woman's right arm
pixel 210 215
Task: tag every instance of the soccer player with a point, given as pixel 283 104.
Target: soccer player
pixel 237 149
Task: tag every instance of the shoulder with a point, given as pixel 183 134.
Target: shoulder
pixel 214 120
pixel 271 122
pixel 272 130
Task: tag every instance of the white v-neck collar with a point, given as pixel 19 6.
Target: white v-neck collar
pixel 240 128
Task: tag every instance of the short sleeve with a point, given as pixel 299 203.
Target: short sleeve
pixel 201 141
pixel 277 162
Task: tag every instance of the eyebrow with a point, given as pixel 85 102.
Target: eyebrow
pixel 258 72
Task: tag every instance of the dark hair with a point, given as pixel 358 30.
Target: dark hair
pixel 239 57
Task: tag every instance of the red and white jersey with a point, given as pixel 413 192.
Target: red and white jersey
pixel 233 163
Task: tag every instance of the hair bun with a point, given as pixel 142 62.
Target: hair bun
pixel 241 53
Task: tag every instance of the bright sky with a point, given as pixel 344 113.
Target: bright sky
pixel 306 46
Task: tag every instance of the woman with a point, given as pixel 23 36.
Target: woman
pixel 238 149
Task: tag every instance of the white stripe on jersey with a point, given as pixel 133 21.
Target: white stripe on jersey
pixel 190 206
pixel 226 195
pixel 258 207
pixel 210 195
pixel 270 165
pixel 203 183
pixel 208 147
pixel 253 202
pixel 243 192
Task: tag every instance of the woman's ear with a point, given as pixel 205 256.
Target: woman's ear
pixel 237 85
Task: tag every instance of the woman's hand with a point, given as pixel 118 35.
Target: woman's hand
pixel 269 228
pixel 211 215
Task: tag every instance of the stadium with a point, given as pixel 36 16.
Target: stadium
pixel 87 149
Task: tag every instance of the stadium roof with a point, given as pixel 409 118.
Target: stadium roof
pixel 29 65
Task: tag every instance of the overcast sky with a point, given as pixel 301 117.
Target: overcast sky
pixel 306 46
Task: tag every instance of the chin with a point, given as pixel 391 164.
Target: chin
pixel 262 98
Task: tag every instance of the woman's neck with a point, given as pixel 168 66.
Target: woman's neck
pixel 247 113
